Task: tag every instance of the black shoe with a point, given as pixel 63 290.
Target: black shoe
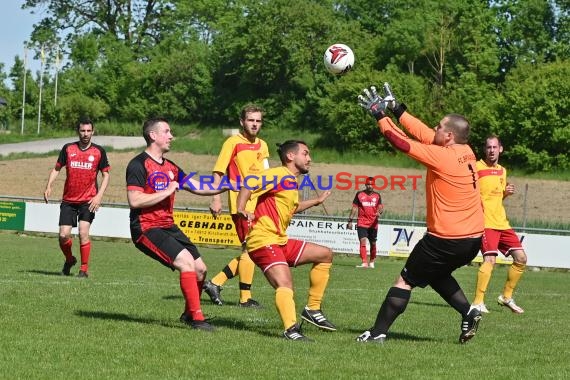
pixel 469 325
pixel 198 325
pixel 368 338
pixel 213 291
pixel 82 274
pixel 66 271
pixel 250 303
pixel 294 333
pixel 317 318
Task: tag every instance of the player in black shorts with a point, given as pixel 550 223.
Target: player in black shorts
pixel 82 196
pixel 152 181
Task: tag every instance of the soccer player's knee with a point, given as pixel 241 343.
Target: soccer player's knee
pixel 519 256
pixel 328 255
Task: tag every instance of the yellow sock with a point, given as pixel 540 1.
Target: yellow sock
pixel 319 278
pixel 514 275
pixel 483 278
pixel 246 270
pixel 228 272
pixel 286 306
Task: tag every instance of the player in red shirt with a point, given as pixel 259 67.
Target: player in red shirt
pixel 82 196
pixel 152 181
pixel 454 215
pixel 367 204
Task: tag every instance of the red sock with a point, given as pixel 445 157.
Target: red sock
pixel 66 249
pixel 85 250
pixel 363 253
pixel 372 252
pixel 189 287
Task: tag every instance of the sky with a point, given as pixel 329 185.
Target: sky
pixel 16 26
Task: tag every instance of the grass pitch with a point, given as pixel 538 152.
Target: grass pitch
pixel 122 323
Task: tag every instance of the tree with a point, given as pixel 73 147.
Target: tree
pixel 534 116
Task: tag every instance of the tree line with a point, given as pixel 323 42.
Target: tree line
pixel 504 64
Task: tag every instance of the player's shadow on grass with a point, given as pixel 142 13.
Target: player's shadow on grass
pixel 44 272
pixel 202 300
pixel 399 336
pixel 124 317
pixel 215 321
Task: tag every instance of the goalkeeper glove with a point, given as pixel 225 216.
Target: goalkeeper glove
pixel 372 102
pixel 396 108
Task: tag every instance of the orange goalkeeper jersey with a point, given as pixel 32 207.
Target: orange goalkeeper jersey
pixel 492 184
pixel 453 201
pixel 238 159
pixel 277 196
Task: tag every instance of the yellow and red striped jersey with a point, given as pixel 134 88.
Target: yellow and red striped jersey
pixel 277 196
pixel 492 184
pixel 238 159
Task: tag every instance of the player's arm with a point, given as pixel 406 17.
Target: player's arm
pixel 302 206
pixel 509 190
pixel 61 162
pixel 136 182
pixel 137 198
pixel 216 203
pixel 431 155
pixel 52 176
pixel 417 128
pixel 353 214
pixel 243 196
pixel 95 202
pixel 197 188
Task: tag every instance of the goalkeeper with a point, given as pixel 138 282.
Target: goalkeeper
pixel 454 213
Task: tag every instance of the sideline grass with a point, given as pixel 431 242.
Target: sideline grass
pixel 122 322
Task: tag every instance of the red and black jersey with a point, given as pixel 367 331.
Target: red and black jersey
pixel 149 176
pixel 81 168
pixel 368 205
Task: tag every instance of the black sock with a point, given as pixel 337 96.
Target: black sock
pixel 394 304
pixel 451 292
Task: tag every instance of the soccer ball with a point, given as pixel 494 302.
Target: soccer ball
pixel 339 59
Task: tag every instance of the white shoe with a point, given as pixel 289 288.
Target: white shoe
pixel 510 303
pixel 481 307
pixel 363 265
pixel 371 265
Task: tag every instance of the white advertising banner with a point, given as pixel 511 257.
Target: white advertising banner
pixel 393 240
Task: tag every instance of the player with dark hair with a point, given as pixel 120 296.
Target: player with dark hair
pixel 367 205
pixel 498 236
pixel 454 212
pixel 82 196
pixel 277 196
pixel 152 182
pixel 241 155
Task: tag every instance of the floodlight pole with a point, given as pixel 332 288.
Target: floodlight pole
pixel 56 74
pixel 24 90
pixel 41 86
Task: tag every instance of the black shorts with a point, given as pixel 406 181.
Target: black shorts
pixel 69 213
pixel 371 233
pixel 164 244
pixel 434 258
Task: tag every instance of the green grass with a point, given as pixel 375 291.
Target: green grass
pixel 122 323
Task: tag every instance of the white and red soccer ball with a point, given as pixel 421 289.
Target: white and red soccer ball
pixel 339 59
